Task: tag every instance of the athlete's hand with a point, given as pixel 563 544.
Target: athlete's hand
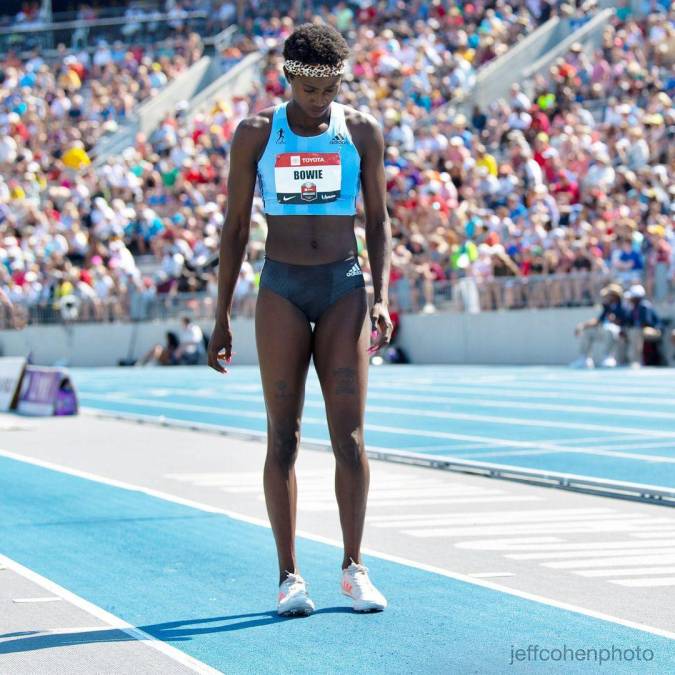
pixel 220 345
pixel 382 327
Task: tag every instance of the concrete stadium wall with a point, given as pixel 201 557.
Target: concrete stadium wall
pixel 519 337
pixel 92 344
pixel 527 337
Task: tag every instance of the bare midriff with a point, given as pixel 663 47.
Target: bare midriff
pixel 310 240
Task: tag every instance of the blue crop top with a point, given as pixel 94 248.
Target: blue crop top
pixel 310 175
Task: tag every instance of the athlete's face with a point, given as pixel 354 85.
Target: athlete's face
pixel 315 94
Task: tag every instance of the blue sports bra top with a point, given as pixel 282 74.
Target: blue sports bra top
pixel 309 175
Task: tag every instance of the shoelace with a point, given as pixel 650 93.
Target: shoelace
pixel 360 577
pixel 296 580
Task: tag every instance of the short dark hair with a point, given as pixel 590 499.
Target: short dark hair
pixel 316 45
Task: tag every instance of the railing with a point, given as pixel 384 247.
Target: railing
pixel 467 294
pixel 472 295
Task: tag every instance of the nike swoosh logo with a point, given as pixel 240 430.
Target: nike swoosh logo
pixel 285 199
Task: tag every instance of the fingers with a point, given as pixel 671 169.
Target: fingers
pixel 381 335
pixel 217 357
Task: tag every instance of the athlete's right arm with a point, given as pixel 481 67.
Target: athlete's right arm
pixel 234 236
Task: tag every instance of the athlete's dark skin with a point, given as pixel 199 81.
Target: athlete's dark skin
pixel 339 343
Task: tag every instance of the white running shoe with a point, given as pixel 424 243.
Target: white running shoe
pixel 357 586
pixel 609 362
pixel 583 362
pixel 293 597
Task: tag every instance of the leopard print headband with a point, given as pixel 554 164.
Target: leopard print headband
pixel 300 68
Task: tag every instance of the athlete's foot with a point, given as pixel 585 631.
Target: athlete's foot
pixel 293 598
pixel 357 585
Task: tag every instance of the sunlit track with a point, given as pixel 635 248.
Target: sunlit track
pixel 549 420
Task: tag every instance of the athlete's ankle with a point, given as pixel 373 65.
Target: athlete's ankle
pixel 283 575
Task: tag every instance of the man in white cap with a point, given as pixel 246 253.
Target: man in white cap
pixel 605 330
pixel 642 324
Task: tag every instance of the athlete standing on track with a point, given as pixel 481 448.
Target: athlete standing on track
pixel 309 155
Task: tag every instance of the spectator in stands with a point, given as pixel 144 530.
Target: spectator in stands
pixel 191 343
pixel 642 323
pixel 604 330
pixel 10 314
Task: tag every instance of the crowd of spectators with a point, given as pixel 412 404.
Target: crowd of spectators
pixel 535 201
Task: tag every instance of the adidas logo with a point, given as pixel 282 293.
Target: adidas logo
pixel 355 271
pixel 338 138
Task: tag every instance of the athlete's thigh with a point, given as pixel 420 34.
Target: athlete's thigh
pixel 284 341
pixel 341 340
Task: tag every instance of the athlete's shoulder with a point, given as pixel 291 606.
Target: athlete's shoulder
pixel 364 128
pixel 259 123
pixel 254 131
pixel 359 119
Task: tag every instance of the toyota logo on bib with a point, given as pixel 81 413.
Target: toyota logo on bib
pixel 308 192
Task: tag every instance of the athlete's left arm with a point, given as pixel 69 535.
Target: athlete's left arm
pixel 378 225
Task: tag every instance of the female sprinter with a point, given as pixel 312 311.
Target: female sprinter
pixel 309 155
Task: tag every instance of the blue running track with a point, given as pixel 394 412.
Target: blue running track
pixel 201 582
pixel 606 424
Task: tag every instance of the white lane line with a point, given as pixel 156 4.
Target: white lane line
pixel 516 405
pixel 504 519
pixel 330 504
pixel 622 561
pixel 504 545
pixel 51 598
pixel 593 553
pixel 490 575
pixel 412 412
pixel 628 571
pixel 659 532
pixel 594 511
pixel 632 445
pixel 569 389
pixel 423 525
pixel 459 500
pixel 507 543
pixel 645 583
pixel 616 525
pixel 112 620
pixel 449 400
pixel 336 544
pixel 628 438
pixel 589 451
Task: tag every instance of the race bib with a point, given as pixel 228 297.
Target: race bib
pixel 307 177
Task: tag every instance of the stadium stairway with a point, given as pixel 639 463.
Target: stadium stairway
pixel 207 79
pixel 532 55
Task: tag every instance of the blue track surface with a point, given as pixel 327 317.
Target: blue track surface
pixel 617 425
pixel 202 582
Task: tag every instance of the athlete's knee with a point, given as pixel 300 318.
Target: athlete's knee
pixel 283 445
pixel 349 449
